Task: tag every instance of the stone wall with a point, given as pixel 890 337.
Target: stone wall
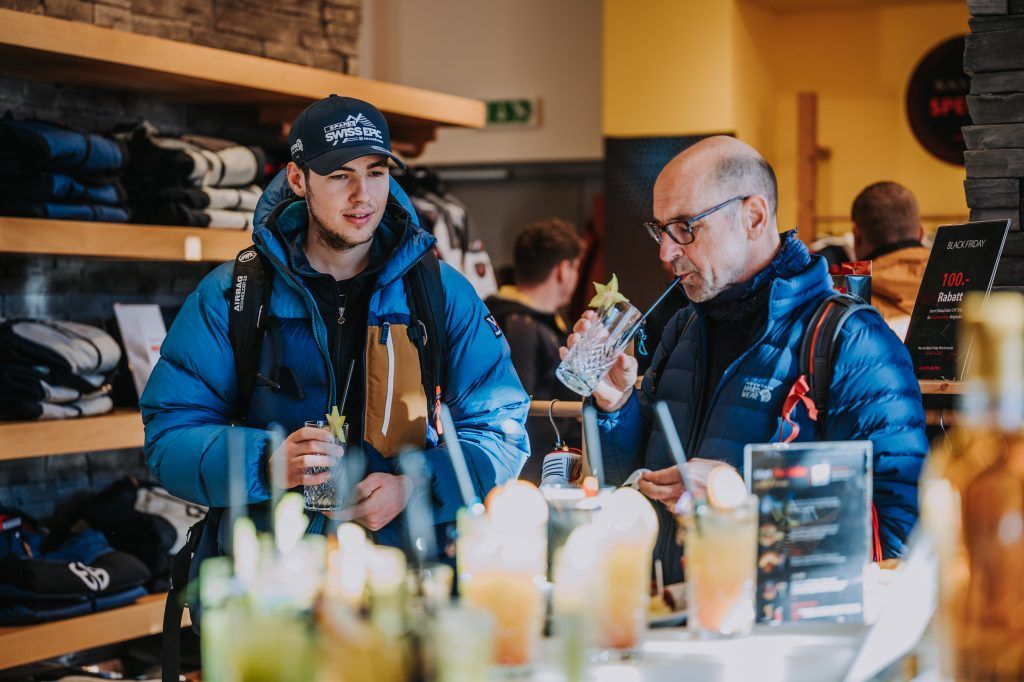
pixel 320 33
pixel 994 58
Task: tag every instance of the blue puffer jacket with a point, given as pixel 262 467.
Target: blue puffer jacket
pixel 187 404
pixel 874 395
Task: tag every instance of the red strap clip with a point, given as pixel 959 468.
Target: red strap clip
pixel 797 394
pixel 437 412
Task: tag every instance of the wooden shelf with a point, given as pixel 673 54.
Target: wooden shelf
pixel 113 431
pixel 27 643
pixel 75 53
pixel 118 240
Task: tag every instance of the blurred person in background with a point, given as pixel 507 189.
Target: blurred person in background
pixel 547 258
pixel 887 231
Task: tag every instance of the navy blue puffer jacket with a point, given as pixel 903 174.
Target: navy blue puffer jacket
pixel 874 395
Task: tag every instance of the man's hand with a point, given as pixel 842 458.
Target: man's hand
pixel 666 485
pixel 381 497
pixel 616 386
pixel 302 449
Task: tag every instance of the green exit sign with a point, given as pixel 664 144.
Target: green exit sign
pixel 513 112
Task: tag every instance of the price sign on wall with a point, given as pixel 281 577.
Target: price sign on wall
pixel 963 259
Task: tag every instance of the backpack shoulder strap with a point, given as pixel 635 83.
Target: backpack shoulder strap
pixel 427 327
pixel 174 606
pixel 817 350
pixel 248 311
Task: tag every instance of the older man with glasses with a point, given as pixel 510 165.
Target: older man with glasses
pixel 727 362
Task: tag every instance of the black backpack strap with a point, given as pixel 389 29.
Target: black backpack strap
pixel 248 311
pixel 817 350
pixel 174 607
pixel 816 362
pixel 427 328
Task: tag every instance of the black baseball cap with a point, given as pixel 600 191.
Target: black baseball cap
pixel 331 132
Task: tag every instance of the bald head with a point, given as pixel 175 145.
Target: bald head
pixel 724 165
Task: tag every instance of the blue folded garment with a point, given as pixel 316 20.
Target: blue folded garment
pixel 88 212
pixel 39 144
pixel 44 186
pixel 26 613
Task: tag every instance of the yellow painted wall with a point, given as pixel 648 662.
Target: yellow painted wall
pixel 667 67
pixel 858 61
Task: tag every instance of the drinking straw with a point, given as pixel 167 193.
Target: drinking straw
pixel 593 437
pixel 636 325
pixel 451 439
pixel 419 518
pixel 279 466
pixel 675 446
pixel 348 382
pixel 236 482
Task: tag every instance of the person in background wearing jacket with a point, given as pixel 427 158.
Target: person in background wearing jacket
pixel 340 236
pixel 887 231
pixel 727 361
pixel 547 259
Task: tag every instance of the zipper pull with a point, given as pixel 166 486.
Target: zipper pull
pixel 385 330
pixel 341 315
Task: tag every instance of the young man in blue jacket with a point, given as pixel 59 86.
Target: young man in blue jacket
pixel 728 360
pixel 340 237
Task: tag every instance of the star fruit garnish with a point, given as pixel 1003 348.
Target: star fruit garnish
pixel 607 294
pixel 336 423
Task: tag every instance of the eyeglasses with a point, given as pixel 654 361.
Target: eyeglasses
pixel 681 231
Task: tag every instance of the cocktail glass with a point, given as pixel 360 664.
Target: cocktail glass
pixel 721 568
pixel 594 352
pixel 322 497
pixel 502 574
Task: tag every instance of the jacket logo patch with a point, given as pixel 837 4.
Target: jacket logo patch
pixel 353 129
pixel 758 390
pixel 246 256
pixel 494 326
pixel 96 579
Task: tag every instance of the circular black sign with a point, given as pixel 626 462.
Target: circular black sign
pixel 937 101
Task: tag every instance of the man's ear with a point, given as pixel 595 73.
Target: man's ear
pixel 920 233
pixel 562 270
pixel 296 180
pixel 758 215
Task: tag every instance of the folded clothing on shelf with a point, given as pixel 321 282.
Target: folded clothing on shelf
pixel 146 521
pixel 44 186
pixel 55 369
pixel 97 213
pixel 51 146
pixel 49 170
pixel 42 580
pixel 40 410
pixel 191 180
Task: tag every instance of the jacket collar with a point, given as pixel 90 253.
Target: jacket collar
pixel 809 282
